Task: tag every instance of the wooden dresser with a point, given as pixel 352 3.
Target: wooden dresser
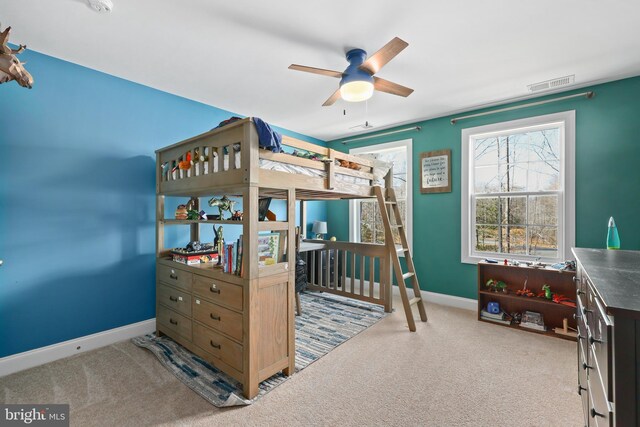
pixel 202 314
pixel 608 319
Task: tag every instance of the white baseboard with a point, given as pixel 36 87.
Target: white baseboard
pixel 443 299
pixel 40 356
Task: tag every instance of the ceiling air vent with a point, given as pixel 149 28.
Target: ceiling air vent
pixel 552 84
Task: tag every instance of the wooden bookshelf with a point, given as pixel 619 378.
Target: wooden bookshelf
pixel 561 282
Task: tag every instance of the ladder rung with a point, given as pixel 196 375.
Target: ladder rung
pixel 402 250
pixel 405 276
pixel 389 202
pixel 397 225
pixel 414 300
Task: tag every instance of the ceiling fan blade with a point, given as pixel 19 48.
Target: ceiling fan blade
pixel 379 59
pixel 389 87
pixel 332 99
pixel 314 70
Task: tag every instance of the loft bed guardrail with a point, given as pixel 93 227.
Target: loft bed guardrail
pixel 230 156
pixel 360 271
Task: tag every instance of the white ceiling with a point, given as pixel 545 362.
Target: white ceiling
pixel 234 55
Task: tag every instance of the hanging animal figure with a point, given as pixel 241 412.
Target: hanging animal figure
pixel 224 204
pixel 10 67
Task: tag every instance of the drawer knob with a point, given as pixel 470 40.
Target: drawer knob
pixel 595 413
pixel 214 290
pixel 173 276
pixel 579 292
pixel 214 317
pixel 580 337
pixel 581 389
pixel 585 366
pixel 593 340
pixel 173 322
pixel 214 345
pixel 585 311
pixel 172 298
pixel 575 279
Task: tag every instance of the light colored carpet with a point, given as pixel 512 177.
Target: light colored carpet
pixel 455 371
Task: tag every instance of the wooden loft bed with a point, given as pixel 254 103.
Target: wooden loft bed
pixel 245 326
pixel 241 166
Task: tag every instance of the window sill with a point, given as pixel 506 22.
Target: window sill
pixel 475 259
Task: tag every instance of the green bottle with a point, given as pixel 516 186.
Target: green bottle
pixel 613 239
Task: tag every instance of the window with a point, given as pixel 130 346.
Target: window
pixel 518 189
pixel 365 223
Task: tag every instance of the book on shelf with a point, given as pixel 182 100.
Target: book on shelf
pixel 492 319
pixel 497 316
pixel 533 326
pixel 533 320
pixel 238 269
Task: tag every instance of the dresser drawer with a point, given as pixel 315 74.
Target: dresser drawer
pixel 581 322
pixel 581 287
pixel 219 292
pixel 218 318
pixel 599 408
pixel 174 299
pixel 218 346
pixel 600 342
pixel 174 321
pixel 583 385
pixel 174 276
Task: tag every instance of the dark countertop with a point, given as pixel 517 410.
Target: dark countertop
pixel 615 275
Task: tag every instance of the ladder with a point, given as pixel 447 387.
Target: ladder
pixel 390 203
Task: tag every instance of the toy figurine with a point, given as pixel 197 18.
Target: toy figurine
pixel 216 238
pixel 220 246
pixel 186 163
pixel 546 290
pixel 561 299
pixel 237 216
pixel 496 285
pixel 224 204
pixel 525 293
pixel 192 204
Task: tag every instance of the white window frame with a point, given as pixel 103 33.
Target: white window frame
pixel 354 210
pixel 566 200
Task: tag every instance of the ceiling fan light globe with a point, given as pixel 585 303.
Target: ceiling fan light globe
pixel 356 91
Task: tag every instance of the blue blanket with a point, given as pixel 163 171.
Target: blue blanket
pixel 268 138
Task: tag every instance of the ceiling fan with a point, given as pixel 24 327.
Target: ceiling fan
pixel 357 81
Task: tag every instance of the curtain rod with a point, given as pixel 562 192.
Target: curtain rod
pixel 588 95
pixel 417 128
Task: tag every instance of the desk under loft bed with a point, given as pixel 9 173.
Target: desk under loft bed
pixel 245 325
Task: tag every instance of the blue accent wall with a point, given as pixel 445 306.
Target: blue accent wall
pixel 77 208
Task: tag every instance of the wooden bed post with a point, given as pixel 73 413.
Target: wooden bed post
pixel 250 164
pixel 251 273
pixel 387 273
pixel 291 288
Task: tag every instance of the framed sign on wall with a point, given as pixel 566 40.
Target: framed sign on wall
pixel 435 167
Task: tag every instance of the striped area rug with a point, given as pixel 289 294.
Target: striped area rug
pixel 326 322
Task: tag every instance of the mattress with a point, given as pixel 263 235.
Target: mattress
pixel 379 171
